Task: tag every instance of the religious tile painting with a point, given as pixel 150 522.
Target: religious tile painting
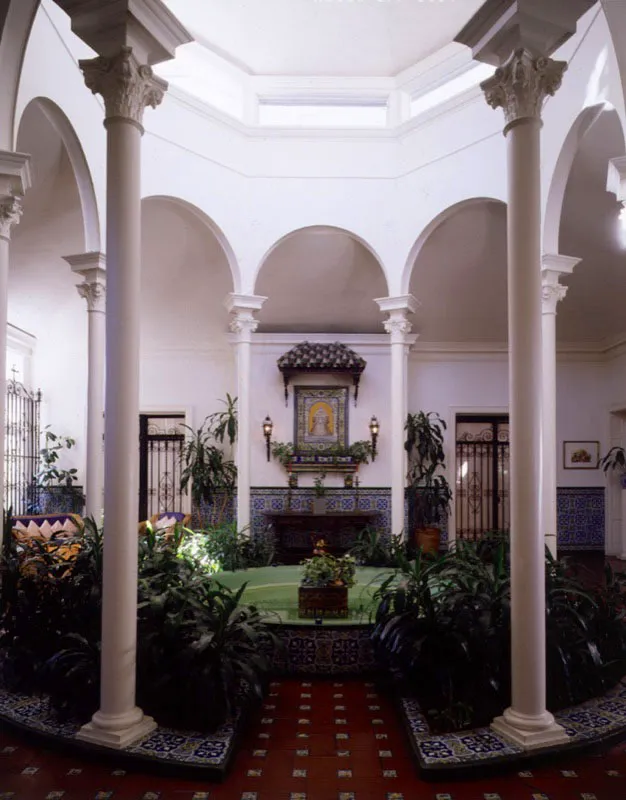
pixel 321 419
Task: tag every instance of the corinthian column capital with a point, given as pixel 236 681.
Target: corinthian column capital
pixel 126 86
pixel 521 85
pixel 94 293
pixel 11 210
pixel 92 268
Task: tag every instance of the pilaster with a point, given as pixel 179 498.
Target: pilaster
pixel 243 324
pixel 398 326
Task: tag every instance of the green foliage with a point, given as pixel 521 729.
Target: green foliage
pixel 204 464
pixel 224 424
pixel 201 654
pixel 614 459
pixel 50 473
pixel 429 487
pixel 443 630
pixel 371 549
pixel 327 570
pixel 318 485
pixel 223 547
pixel 360 452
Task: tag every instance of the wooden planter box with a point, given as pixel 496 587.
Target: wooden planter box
pixel 323 601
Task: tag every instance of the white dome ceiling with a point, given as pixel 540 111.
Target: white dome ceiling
pixel 339 38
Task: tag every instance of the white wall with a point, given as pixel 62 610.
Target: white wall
pixel 268 398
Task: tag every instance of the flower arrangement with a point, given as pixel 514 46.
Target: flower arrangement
pixel 324 569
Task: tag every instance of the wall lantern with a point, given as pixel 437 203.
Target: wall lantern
pixel 374 431
pixel 268 427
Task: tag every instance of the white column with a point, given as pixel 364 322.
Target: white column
pixel 398 327
pixel 552 292
pixel 127 88
pixel 518 38
pixel 520 88
pixel 14 181
pixel 243 325
pixel 92 267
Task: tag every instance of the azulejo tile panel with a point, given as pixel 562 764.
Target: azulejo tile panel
pixel 212 751
pixel 311 650
pixel 581 517
pixel 592 721
pixel 267 499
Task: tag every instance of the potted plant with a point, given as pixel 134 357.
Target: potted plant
pixel 325 583
pixel 319 501
pixel 205 469
pixel 430 495
pixel 55 486
pixel 615 459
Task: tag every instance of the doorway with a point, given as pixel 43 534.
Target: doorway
pixel 482 494
pixel 161 442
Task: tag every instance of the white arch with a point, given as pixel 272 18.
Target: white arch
pixel 431 227
pixel 558 183
pixel 86 192
pixel 306 228
pixel 16 20
pixel 212 226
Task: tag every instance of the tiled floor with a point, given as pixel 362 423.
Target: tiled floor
pixel 317 740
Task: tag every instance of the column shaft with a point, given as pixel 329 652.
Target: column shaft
pixel 119 630
pixel 243 441
pixel 525 364
pixel 95 413
pixel 4 297
pixel 398 417
pixel 549 446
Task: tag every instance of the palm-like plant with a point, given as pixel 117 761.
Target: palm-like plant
pixel 205 466
pixel 430 491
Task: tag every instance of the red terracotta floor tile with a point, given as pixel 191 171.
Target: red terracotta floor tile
pixel 319 756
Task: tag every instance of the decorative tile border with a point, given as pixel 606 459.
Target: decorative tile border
pixel 590 722
pixel 211 753
pixel 324 650
pixel 268 499
pixel 581 517
pixel 580 510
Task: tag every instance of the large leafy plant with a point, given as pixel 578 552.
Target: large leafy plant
pixel 205 467
pixel 202 656
pixel 443 629
pixel 430 490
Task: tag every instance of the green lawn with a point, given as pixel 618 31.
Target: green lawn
pixel 275 589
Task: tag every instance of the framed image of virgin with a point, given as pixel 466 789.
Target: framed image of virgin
pixel 581 455
pixel 321 419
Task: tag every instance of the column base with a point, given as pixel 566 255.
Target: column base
pixel 530 733
pixel 109 735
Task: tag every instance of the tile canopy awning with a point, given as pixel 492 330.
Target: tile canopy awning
pixel 319 357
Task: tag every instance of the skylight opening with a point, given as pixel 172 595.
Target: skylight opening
pixel 450 89
pixel 307 115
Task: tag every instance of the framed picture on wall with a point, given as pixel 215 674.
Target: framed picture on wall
pixel 321 418
pixel 581 455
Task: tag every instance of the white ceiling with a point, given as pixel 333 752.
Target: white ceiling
pixel 337 38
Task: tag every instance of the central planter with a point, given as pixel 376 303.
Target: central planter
pixel 323 601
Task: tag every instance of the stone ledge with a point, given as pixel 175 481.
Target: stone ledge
pixel 181 753
pixel 591 723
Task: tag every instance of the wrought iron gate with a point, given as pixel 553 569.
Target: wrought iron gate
pixel 21 453
pixel 482 475
pixel 161 441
